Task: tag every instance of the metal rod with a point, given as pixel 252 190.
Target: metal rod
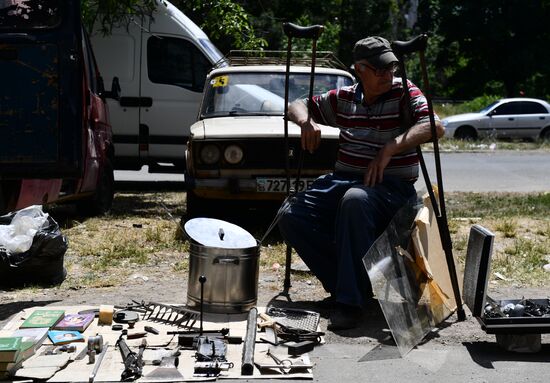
pixel 202 279
pixel 247 366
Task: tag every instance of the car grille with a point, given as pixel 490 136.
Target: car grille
pixel 269 154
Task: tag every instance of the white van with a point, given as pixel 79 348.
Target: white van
pixel 161 63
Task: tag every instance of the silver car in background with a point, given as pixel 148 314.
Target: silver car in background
pixel 505 118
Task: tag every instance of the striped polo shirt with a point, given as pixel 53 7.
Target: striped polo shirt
pixel 364 129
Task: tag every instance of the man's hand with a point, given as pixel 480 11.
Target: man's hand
pixel 375 170
pixel 311 135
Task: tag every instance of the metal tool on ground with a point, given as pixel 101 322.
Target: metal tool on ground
pixel 100 357
pixel 211 357
pixel 294 318
pixel 202 281
pixel 133 362
pixel 167 371
pixel 167 314
pixel 151 330
pixel 126 316
pixel 402 48
pixel 95 346
pixel 247 366
pixel 312 32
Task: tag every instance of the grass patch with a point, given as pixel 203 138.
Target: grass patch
pixel 498 205
pixel 508 227
pixel 141 237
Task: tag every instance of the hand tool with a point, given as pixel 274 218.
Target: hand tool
pixel 133 363
pixel 98 363
pixel 167 371
pixel 151 330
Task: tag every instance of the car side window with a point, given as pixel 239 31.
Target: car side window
pixel 507 108
pixel 177 62
pixel 532 108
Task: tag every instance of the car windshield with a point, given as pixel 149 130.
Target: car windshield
pixel 261 93
pixel 29 14
pixel 488 107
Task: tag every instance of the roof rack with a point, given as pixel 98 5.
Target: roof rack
pixel 324 59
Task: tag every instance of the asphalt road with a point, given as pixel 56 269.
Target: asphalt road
pixel 502 171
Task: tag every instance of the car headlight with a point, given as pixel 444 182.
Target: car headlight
pixel 233 154
pixel 444 122
pixel 210 154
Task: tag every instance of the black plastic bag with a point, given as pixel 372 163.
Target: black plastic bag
pixel 41 264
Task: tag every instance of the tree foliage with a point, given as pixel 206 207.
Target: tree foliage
pixel 476 47
pixel 109 13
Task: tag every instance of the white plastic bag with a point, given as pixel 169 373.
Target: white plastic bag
pixel 18 235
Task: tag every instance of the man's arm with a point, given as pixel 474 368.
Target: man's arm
pixel 416 135
pixel 311 133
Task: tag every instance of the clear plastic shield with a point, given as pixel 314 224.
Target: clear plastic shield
pixel 410 296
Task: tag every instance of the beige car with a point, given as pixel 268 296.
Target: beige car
pixel 236 151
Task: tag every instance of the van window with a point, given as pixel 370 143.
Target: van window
pixel 29 14
pixel 177 62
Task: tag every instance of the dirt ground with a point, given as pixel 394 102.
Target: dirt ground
pixel 161 284
pixel 158 280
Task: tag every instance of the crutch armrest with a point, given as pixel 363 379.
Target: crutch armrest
pixel 310 32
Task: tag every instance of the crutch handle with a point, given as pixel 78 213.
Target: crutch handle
pixel 419 43
pixel 311 32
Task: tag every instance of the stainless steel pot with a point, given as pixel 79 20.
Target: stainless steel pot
pixel 231 273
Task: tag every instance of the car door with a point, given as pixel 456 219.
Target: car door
pixel 532 119
pixel 119 55
pixel 503 120
pixel 40 71
pixel 172 77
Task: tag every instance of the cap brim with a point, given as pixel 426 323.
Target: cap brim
pixel 383 60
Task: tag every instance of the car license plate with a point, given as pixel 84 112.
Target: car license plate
pixel 278 185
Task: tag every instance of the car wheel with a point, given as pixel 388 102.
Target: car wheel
pixel 102 200
pixel 466 133
pixel 545 135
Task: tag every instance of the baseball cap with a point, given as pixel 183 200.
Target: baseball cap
pixel 376 50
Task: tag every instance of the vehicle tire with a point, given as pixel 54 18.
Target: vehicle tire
pixel 102 200
pixel 466 133
pixel 545 135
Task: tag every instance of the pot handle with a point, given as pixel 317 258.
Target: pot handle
pixel 226 260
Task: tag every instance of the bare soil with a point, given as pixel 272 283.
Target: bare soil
pixel 162 279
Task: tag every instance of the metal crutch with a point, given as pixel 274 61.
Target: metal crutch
pixel 311 32
pixel 401 48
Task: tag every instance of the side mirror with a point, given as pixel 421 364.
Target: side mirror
pixel 114 93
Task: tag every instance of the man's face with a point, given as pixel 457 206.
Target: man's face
pixel 375 81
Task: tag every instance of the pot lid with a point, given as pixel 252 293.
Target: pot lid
pixel 217 233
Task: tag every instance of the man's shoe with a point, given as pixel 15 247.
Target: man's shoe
pixel 344 317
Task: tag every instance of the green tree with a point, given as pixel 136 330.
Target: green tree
pixel 495 45
pixel 109 13
pixel 224 21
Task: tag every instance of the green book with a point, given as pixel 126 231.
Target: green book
pixel 43 318
pixel 9 348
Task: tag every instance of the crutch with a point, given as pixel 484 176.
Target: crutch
pixel 311 32
pixel 401 48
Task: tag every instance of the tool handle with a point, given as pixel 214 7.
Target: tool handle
pixel 310 32
pixel 419 43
